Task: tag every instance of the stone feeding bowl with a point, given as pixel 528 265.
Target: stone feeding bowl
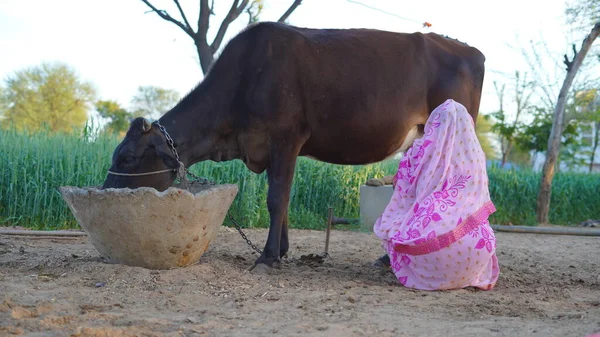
pixel 147 228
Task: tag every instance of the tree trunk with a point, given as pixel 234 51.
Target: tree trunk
pixel 505 154
pixel 543 201
pixel 290 10
pixel 205 55
pixel 205 50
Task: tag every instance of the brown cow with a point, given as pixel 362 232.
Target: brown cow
pixel 342 96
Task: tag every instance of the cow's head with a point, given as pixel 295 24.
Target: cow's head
pixel 136 160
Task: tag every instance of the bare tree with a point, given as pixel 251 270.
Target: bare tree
pixel 543 202
pixel 206 50
pixel 509 130
pixel 544 75
pixel 582 13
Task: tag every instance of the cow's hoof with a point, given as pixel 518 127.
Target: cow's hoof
pixel 264 269
pixel 265 263
pixel 261 269
pixel 382 262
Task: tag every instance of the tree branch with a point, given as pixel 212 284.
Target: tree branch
pixel 203 19
pixel 183 15
pixel 544 83
pixel 290 11
pixel 250 16
pixel 233 14
pixel 163 14
pixel 569 63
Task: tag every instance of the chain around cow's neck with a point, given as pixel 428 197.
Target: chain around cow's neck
pixel 182 172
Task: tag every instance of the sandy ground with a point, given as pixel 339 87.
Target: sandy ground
pixel 549 286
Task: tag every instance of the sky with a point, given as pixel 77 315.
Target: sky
pixel 118 45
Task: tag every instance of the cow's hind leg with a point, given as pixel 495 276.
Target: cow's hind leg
pixel 383 262
pixel 285 243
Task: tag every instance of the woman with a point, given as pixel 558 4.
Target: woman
pixel 435 228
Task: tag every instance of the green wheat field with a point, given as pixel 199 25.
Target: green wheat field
pixel 34 166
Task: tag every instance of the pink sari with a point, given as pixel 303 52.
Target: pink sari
pixel 435 228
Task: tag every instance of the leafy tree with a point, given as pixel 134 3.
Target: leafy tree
pixel 3 102
pixel 206 50
pixel 519 157
pixel 50 95
pixel 152 102
pixel 534 135
pixel 119 117
pixel 483 129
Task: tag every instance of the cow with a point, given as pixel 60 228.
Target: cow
pixel 277 92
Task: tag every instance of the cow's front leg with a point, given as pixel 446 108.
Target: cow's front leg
pixel 280 174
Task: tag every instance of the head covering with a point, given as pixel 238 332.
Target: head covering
pixel 440 189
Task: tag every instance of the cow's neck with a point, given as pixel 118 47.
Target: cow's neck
pixel 200 126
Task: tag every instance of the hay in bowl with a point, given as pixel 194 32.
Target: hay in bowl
pixel 147 228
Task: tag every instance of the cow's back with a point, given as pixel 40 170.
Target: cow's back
pixel 457 72
pixel 361 85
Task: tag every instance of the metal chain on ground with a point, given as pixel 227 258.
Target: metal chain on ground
pixel 182 175
pixel 239 228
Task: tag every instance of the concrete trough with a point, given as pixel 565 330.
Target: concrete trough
pixel 147 228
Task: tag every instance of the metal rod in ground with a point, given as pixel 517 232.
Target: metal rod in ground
pixel 329 221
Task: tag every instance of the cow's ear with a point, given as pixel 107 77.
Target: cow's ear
pixel 146 126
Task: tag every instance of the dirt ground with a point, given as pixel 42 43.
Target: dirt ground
pixel 549 286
